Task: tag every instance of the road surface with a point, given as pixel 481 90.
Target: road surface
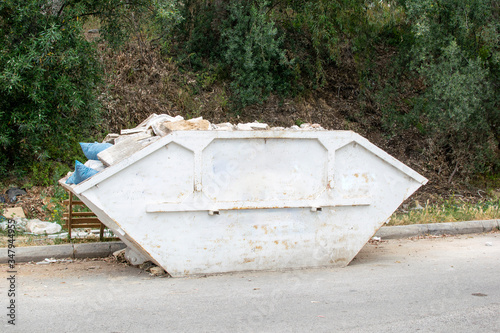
pixel 445 284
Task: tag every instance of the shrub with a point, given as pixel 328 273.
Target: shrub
pixel 451 50
pixel 454 52
pixel 252 49
pixel 49 75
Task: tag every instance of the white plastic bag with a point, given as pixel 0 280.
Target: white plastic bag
pixel 39 227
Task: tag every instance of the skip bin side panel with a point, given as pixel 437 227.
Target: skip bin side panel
pixel 267 239
pixel 239 170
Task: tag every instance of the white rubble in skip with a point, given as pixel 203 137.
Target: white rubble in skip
pixel 156 126
pixel 161 125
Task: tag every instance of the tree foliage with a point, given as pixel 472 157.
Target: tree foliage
pixel 266 46
pixel 49 75
pixel 456 51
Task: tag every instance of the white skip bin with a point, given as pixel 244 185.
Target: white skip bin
pixel 200 202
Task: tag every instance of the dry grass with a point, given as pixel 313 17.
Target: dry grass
pixel 450 210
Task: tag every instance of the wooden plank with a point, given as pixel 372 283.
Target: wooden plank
pixel 75 222
pixel 145 122
pixel 80 220
pixel 70 209
pixel 136 136
pixel 101 232
pixel 86 226
pixel 119 151
pixel 74 203
pixel 133 130
pixel 76 214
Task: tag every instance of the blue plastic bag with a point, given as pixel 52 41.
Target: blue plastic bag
pixel 81 173
pixel 92 149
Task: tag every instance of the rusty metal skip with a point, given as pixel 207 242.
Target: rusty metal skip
pixel 202 202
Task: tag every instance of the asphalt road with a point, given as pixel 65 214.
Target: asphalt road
pixel 449 284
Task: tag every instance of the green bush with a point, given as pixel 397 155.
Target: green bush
pixel 456 52
pixel 252 50
pixel 279 47
pixel 452 47
pixel 49 75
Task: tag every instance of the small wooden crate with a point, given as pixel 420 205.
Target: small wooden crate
pixel 80 219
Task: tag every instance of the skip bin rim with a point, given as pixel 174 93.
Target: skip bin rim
pixel 347 136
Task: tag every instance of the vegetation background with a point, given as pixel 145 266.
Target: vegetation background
pixel 419 78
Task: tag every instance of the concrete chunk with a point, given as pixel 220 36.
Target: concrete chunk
pixel 187 125
pixel 259 126
pixel 13 212
pixel 223 127
pixel 243 127
pixel 252 126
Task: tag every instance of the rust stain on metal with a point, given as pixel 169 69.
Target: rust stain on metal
pixel 276 242
pixel 365 176
pixel 247 260
pixel 286 244
pixel 258 247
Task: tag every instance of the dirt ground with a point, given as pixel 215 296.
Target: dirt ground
pixel 415 246
pixel 76 267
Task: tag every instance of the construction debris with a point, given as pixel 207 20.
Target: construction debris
pixel 157 271
pixel 156 126
pixel 49 261
pixel 123 148
pixel 13 212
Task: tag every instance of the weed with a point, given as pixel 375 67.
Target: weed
pixel 299 122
